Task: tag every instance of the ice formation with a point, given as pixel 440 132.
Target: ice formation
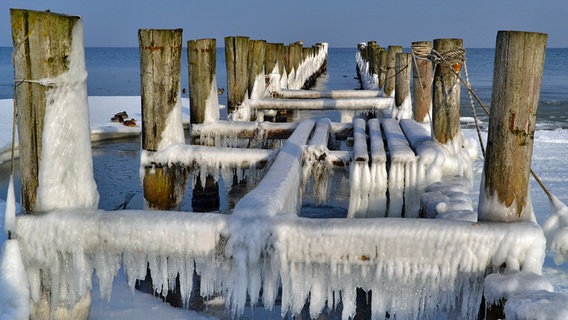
pixel 173 128
pixel 499 286
pixel 15 295
pixel 317 164
pixel 368 81
pixel 401 171
pixel 556 230
pixel 359 173
pixel 70 183
pixel 416 269
pixel 537 305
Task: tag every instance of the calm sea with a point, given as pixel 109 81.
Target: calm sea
pixel 115 72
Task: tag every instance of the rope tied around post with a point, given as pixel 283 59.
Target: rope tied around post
pixel 457 56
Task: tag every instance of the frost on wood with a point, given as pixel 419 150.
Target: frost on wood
pixel 439 265
pixel 66 167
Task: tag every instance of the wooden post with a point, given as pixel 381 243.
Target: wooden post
pixel 42 43
pixel 271 57
pixel 201 58
pixel 390 78
pixel 45 47
pixel 160 67
pixel 402 86
pixel 382 73
pixel 236 58
pixel 256 56
pixel 422 75
pixel 446 93
pixel 517 79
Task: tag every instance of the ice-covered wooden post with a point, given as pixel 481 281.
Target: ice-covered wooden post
pixel 422 79
pixel 236 58
pixel 517 78
pixel 390 76
pixel 160 67
pixel 294 60
pixel 271 57
pixel 54 134
pixel 203 98
pixel 256 56
pixel 446 92
pixel 382 72
pixel 402 99
pixel 201 57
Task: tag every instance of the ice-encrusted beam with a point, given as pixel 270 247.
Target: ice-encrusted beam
pixel 279 190
pixel 370 104
pixel 439 264
pixel 332 94
pixel 359 173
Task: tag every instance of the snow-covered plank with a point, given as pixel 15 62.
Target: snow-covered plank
pixel 379 177
pixel 359 173
pixel 415 133
pixel 402 162
pixel 379 103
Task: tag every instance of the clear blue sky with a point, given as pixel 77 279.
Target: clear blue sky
pixel 341 23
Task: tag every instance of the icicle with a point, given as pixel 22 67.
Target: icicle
pixel 10 213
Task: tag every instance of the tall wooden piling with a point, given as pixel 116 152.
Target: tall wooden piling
pixel 202 59
pixel 422 79
pixel 446 92
pixel 390 77
pixel 160 68
pixel 236 59
pixel 42 43
pixel 256 57
pixel 271 57
pixel 402 86
pixel 45 46
pixel 517 79
pixel 382 72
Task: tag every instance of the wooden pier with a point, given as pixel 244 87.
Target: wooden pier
pixel 401 171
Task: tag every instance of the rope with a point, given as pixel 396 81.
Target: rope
pixel 420 52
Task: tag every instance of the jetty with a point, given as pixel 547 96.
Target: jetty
pixel 411 244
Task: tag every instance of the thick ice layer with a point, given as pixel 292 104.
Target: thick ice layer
pixel 539 305
pixel 556 231
pixel 416 269
pixel 450 199
pixel 505 286
pixel 66 166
